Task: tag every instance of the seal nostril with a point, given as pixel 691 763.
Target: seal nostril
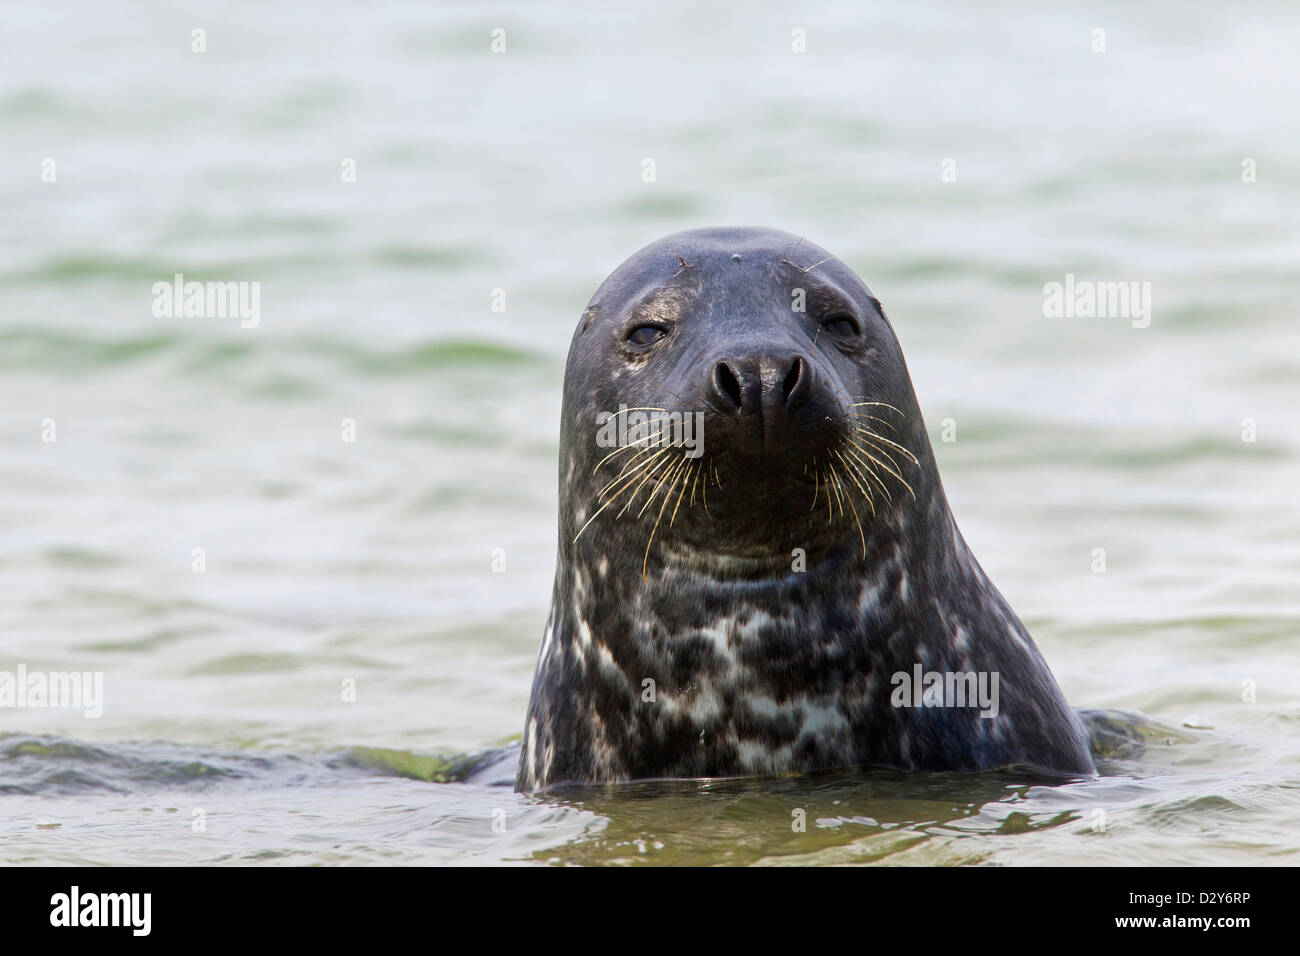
pixel 792 379
pixel 726 384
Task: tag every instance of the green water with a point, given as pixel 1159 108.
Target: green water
pixel 371 561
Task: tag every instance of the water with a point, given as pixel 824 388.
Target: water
pixel 328 561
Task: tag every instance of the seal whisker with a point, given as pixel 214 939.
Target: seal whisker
pixel 854 473
pixel 835 486
pixel 596 514
pixel 681 493
pixel 892 471
pixel 648 441
pixel 855 403
pixel 868 472
pixel 686 267
pixel 868 436
pixel 674 393
pixel 589 521
pixel 633 464
pixel 648 472
pixel 629 474
pixel 816 264
pixel 876 436
pixel 653 430
pixel 792 250
pixel 861 534
pixel 881 404
pixel 876 418
pixel 870 498
pixel 629 478
pixel 645 560
pixel 660 483
pixel 639 408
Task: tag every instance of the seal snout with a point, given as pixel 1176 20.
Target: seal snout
pixel 761 383
pixel 763 398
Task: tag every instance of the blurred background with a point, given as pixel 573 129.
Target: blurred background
pixel 958 159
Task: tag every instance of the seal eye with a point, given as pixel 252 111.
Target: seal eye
pixel 841 325
pixel 646 334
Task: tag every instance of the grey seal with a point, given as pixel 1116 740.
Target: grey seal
pixel 763 576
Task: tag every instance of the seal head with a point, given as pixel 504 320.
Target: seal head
pixel 758 570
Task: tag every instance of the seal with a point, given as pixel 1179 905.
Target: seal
pixel 758 570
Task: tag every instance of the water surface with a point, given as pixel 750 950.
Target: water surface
pixel 371 561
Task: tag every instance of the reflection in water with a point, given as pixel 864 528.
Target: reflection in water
pixel 842 817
